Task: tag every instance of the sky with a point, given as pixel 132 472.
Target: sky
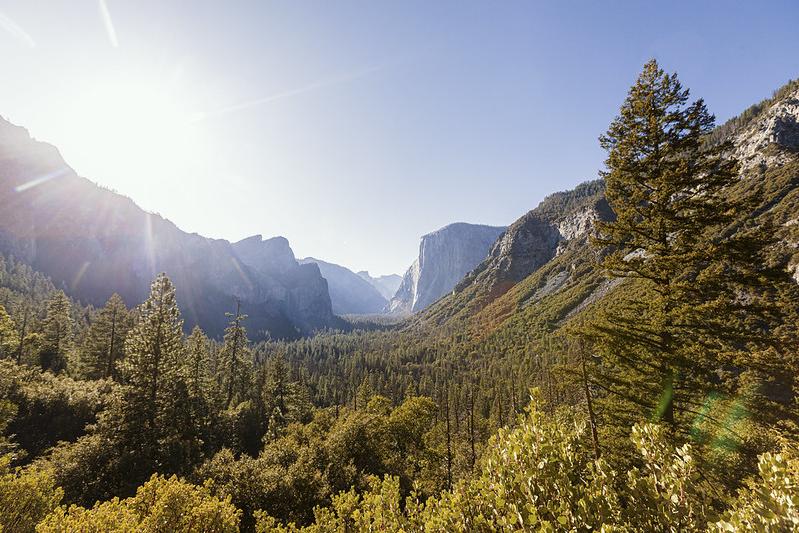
pixel 354 127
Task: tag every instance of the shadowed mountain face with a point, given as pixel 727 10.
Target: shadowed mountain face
pixel 94 242
pixel 350 293
pixel 445 256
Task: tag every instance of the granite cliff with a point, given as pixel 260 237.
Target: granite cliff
pixel 445 256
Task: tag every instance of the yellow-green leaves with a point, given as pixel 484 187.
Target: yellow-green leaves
pixel 26 496
pixel 160 505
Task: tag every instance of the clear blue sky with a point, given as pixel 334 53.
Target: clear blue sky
pixel 352 128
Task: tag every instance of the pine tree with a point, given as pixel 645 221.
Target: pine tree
pixel 277 392
pixel 57 333
pixel 152 371
pixel 364 393
pixel 104 346
pixel 697 273
pixel 24 333
pixel 234 356
pixel 197 364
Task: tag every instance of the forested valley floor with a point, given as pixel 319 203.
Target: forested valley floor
pixel 644 379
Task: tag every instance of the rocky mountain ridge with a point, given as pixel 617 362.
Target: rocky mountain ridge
pixel 766 134
pixel 540 235
pixel 93 242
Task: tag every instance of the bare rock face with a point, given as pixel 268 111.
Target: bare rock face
pixel 529 243
pixel 777 126
pixel 562 219
pixel 445 256
pixel 93 242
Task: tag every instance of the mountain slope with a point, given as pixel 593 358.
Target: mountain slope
pixel 349 292
pixel 94 242
pixel 445 256
pixel 386 285
pixel 542 270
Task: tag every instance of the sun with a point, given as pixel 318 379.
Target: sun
pixel 133 133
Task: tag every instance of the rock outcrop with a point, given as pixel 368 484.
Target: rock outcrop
pixel 771 137
pixel 93 242
pixel 560 220
pixel 350 294
pixel 445 256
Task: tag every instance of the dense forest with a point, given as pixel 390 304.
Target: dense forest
pixel 643 380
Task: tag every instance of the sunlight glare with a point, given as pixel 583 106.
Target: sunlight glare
pixel 136 132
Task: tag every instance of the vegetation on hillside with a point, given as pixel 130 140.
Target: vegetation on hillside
pixel 660 352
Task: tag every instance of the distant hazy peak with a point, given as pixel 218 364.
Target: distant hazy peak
pixel 350 293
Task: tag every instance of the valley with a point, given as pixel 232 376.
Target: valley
pixel 622 356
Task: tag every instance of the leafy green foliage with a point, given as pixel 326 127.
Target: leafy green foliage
pixel 47 408
pixel 308 463
pixel 161 504
pixel 541 476
pixel 26 497
pixel 770 502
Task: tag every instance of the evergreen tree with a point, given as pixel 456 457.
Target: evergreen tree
pixel 56 334
pixel 152 371
pixel 277 394
pixel 364 393
pixel 202 392
pixel 103 348
pixel 8 335
pixel 699 275
pixel 234 356
pixel 24 335
pixel 197 364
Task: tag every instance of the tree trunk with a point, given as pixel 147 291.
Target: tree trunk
pixel 110 366
pixel 449 442
pixel 589 403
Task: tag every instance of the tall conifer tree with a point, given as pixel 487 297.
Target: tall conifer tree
pixel 104 346
pixel 700 273
pixel 152 371
pixel 57 333
pixel 234 356
pixel 8 335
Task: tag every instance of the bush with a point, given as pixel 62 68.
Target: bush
pixel 770 502
pixel 162 504
pixel 26 496
pixel 542 476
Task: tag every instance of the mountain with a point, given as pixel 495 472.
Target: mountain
pixel 94 242
pixel 542 272
pixel 445 256
pixel 538 237
pixel 386 285
pixel 350 294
